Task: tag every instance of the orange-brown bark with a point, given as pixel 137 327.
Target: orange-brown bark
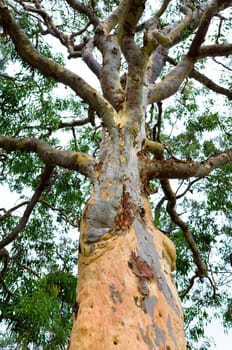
pixel 126 295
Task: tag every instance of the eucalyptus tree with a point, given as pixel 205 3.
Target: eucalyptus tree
pixel 154 132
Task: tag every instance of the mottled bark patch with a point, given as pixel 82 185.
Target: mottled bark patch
pixel 142 270
pixel 126 216
pixel 146 337
pixel 140 267
pixel 115 294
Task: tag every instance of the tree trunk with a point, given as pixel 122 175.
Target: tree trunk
pixel 126 297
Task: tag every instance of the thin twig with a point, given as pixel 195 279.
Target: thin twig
pixel 30 206
pixel 63 214
pixel 191 283
pixel 8 212
pixel 188 188
pixel 17 262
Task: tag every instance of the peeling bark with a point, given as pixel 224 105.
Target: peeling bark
pixel 128 311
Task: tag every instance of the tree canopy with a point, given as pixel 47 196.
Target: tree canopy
pixel 175 56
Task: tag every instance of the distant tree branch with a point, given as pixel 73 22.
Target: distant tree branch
pixel 30 206
pixel 187 290
pixel 170 39
pixel 61 211
pixel 8 213
pixel 71 160
pixel 187 188
pixel 43 201
pixel 222 64
pixel 171 198
pixel 24 267
pixel 89 59
pixel 210 84
pixel 163 8
pixel 170 84
pixel 48 21
pixel 4 257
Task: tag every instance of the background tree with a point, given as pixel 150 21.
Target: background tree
pixel 155 127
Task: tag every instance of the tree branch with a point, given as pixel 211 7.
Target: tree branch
pixel 178 169
pixel 54 70
pixel 171 83
pixel 206 81
pixel 22 266
pixel 110 74
pixel 202 29
pixel 210 84
pixel 89 59
pixel 73 123
pixel 215 50
pixel 71 160
pixel 61 211
pixel 171 197
pixel 8 212
pixel 35 198
pixel 163 8
pixel 191 283
pixel 85 10
pixel 136 61
pixel 170 39
pixel 106 26
pixel 173 80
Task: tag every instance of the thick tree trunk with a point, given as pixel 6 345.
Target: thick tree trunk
pixel 126 296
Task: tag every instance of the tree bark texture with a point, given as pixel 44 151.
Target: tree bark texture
pixel 126 297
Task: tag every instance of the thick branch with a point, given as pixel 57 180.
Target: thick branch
pixel 87 55
pixel 177 169
pixel 215 50
pixel 110 77
pixel 85 10
pixel 35 198
pixel 206 81
pixel 170 39
pixel 73 123
pixel 54 70
pixel 132 53
pixel 171 83
pixel 214 7
pixel 71 160
pixel 114 18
